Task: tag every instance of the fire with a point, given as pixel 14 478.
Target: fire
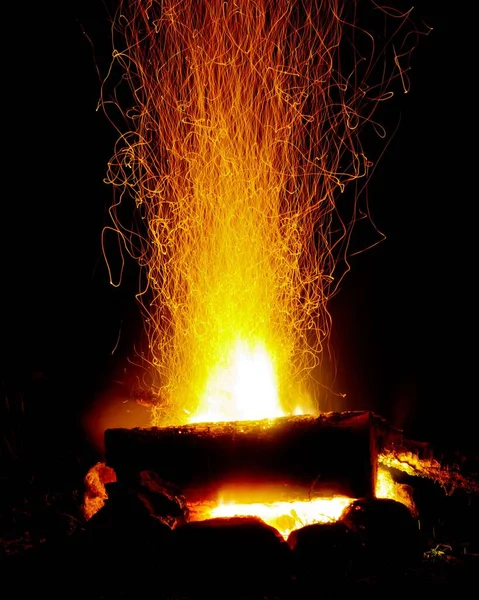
pixel 243 133
pixel 284 516
pixel 243 388
pixel 287 516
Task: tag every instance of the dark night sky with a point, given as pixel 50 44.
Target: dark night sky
pixel 404 319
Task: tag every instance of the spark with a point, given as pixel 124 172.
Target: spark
pixel 242 133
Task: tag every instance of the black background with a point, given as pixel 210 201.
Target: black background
pixel 404 322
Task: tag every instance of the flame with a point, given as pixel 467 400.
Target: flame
pixel 243 388
pixel 284 516
pixel 287 516
pixel 243 133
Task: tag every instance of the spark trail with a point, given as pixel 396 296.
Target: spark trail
pixel 241 135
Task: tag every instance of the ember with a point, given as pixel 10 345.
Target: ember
pixel 288 516
pixel 283 516
pixel 95 491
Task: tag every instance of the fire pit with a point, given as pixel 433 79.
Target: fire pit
pixel 176 537
pixel 272 504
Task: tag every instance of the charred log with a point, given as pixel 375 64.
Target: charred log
pixel 294 457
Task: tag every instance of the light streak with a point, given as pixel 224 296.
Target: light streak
pixel 242 131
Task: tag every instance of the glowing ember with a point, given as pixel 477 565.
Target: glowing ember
pixel 287 516
pixel 284 516
pixel 95 494
pixel 449 476
pixel 386 487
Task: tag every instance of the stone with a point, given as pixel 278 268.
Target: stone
pixel 389 532
pixel 224 556
pixel 326 553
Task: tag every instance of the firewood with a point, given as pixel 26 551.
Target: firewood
pixel 291 458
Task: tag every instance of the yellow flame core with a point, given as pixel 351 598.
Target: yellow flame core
pixel 244 387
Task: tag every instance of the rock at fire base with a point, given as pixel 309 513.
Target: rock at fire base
pixel 389 532
pixel 325 551
pixel 163 500
pixel 228 555
pixel 125 534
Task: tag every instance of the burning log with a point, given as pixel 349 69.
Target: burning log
pixel 291 458
pixel 458 472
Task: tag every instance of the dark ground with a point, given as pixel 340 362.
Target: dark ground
pixel 78 560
